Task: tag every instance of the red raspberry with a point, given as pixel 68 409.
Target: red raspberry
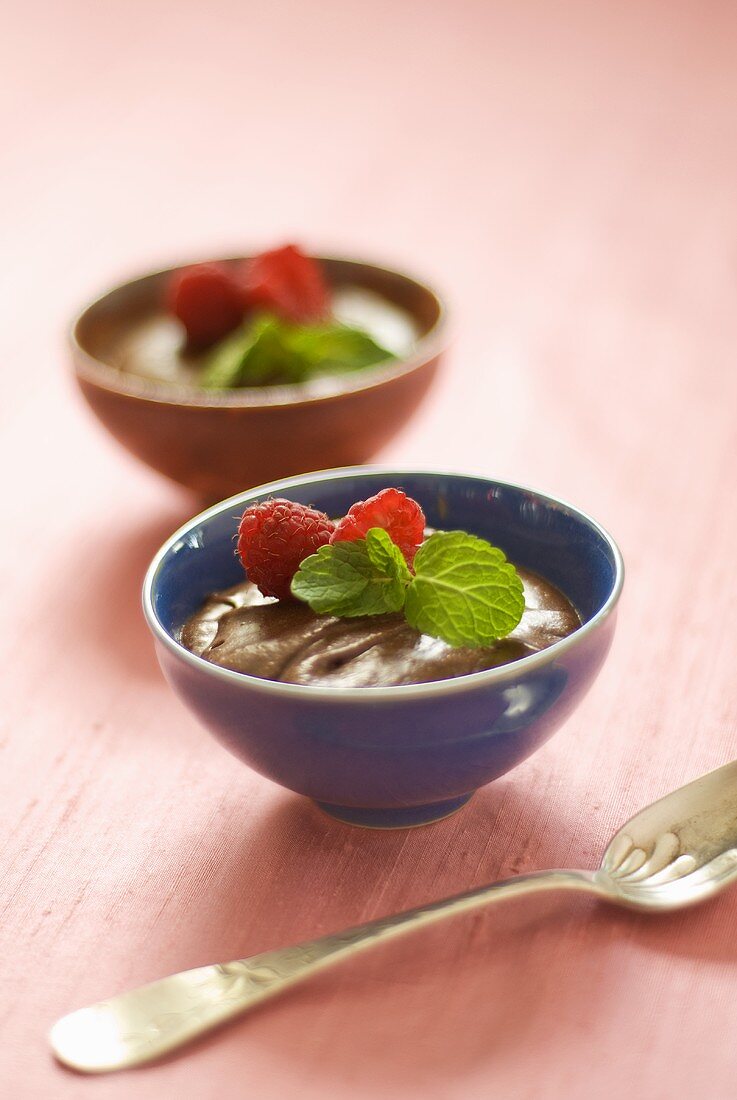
pixel 274 537
pixel 288 283
pixel 208 301
pixel 399 515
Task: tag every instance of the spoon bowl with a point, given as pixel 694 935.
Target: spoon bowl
pixel 679 850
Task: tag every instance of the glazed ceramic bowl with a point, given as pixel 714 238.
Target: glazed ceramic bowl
pixel 396 756
pixel 218 443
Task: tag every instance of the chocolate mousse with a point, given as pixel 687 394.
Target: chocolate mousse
pixel 242 630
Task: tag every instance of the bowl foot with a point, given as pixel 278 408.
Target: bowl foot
pixel 396 817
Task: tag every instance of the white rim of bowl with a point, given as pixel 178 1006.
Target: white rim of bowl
pixel 470 680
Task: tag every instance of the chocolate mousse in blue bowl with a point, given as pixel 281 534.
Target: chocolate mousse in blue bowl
pixel 383 641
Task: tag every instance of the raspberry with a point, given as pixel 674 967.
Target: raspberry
pixel 208 301
pixel 274 537
pixel 288 283
pixel 399 515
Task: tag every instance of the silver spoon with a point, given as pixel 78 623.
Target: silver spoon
pixel 679 851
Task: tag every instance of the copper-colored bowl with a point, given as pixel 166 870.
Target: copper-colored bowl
pixel 219 443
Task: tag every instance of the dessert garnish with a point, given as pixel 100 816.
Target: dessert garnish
pixel 391 509
pixel 288 283
pixel 450 585
pixel 208 302
pixel 268 350
pixel 274 537
pixel 266 321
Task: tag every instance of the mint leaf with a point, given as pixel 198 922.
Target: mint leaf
pixel 269 351
pixel 464 591
pixel 332 348
pixel 386 556
pixel 348 579
pixel 257 354
pixel 225 362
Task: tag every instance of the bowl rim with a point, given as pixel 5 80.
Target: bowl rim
pixel 99 372
pixel 394 693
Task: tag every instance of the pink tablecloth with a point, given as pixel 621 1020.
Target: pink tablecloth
pixel 568 174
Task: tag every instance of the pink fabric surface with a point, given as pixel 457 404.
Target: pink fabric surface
pixel 567 174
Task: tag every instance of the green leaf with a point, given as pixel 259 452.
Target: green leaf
pixel 332 348
pixel 464 591
pixel 348 579
pixel 269 351
pixel 257 354
pixel 386 556
pixel 225 362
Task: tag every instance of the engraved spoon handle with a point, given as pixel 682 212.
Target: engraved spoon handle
pixel 150 1021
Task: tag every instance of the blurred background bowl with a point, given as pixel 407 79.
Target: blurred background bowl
pixel 394 756
pixel 222 442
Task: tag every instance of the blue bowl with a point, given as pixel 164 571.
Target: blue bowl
pixel 393 756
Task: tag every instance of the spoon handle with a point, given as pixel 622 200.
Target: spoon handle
pixel 148 1022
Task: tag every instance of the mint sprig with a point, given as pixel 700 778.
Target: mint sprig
pixel 267 350
pixel 464 591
